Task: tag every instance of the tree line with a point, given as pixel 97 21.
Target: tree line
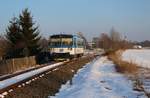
pixel 145 43
pixel 22 38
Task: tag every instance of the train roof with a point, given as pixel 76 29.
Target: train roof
pixel 64 35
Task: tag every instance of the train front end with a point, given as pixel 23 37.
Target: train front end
pixel 61 46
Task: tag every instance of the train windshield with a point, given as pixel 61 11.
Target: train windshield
pixel 61 42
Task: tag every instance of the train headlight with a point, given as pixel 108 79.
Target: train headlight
pixel 69 48
pixel 61 50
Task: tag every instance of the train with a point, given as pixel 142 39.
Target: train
pixel 66 46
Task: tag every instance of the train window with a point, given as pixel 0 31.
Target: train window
pixel 55 42
pixel 61 42
pixel 67 42
pixel 80 43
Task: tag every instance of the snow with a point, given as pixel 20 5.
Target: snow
pixel 141 57
pixel 98 79
pixel 3 76
pixel 19 78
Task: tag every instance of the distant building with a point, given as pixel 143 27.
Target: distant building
pixel 95 42
pixel 137 47
pixel 91 44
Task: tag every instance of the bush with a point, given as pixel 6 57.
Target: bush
pixel 43 57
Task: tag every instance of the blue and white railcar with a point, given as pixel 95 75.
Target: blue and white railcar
pixel 66 46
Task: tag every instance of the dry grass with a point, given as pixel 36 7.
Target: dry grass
pixel 122 66
pixel 130 69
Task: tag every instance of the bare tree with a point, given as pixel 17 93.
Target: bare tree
pixel 83 37
pixel 104 41
pixel 44 44
pixel 115 39
pixel 114 35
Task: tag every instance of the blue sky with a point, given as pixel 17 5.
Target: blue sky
pixel 92 17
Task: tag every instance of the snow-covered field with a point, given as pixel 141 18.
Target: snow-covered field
pixel 139 56
pixel 98 79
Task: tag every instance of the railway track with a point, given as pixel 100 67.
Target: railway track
pixel 25 78
pixel 24 71
pixel 9 83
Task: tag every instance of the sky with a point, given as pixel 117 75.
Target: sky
pixel 91 17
